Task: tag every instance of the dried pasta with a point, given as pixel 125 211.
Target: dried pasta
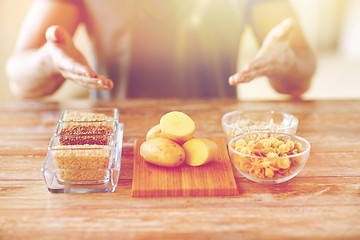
pixel 269 157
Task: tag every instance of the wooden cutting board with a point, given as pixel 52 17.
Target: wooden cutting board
pixel 213 179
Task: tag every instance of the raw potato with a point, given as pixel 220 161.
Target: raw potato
pixel 200 151
pixel 162 152
pixel 177 126
pixel 155 132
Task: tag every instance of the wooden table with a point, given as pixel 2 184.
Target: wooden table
pixel 322 202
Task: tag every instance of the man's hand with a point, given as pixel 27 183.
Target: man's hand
pixel 69 61
pixel 275 57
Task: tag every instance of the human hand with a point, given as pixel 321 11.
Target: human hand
pixel 275 58
pixel 70 62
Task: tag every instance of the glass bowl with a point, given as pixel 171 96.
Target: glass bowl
pixel 269 157
pixel 240 122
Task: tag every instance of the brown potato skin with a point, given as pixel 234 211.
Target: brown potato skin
pixel 162 152
pixel 155 132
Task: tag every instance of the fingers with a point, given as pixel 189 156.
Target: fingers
pixel 286 28
pixel 58 34
pixel 273 57
pixel 266 64
pixel 281 32
pixel 51 34
pixel 66 57
pixel 249 72
pixel 96 82
pixel 234 79
pixel 69 65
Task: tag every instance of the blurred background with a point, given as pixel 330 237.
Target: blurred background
pixel 332 27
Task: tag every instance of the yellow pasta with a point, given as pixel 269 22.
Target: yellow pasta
pixel 267 158
pixel 269 173
pixel 283 163
pixel 241 143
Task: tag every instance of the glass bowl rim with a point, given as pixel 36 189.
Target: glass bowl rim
pixel 307 148
pixel 294 120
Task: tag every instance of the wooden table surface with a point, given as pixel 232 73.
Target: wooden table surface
pixel 322 202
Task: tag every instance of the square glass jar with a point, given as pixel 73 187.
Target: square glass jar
pixel 90 133
pixel 82 163
pixel 90 114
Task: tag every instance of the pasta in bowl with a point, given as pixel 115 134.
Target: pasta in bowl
pixel 269 157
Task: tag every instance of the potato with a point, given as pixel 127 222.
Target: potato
pixel 155 132
pixel 177 126
pixel 200 151
pixel 162 152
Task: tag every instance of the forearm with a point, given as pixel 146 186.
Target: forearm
pixel 32 73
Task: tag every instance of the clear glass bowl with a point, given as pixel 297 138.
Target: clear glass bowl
pixel 240 122
pixel 264 168
pixel 79 161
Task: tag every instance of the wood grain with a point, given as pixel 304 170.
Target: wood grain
pixel 213 179
pixel 322 202
pixel 177 223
